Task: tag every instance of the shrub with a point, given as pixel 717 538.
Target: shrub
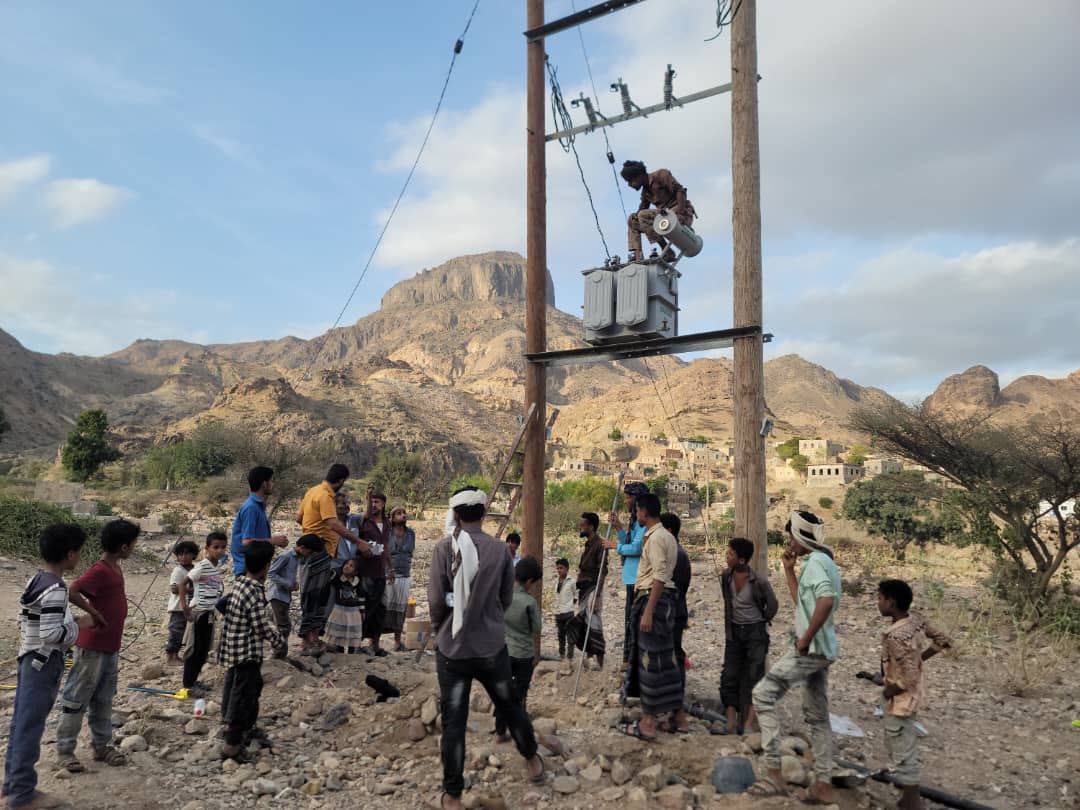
pixel 23 519
pixel 104 509
pixel 615 434
pixel 825 502
pixel 86 447
pixel 174 521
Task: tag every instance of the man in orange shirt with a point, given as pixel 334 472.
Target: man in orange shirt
pixel 318 513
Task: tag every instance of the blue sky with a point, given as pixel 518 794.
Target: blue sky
pixel 220 173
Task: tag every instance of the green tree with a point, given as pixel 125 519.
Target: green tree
pixel 658 486
pixel 799 463
pixel 825 502
pixel 661 437
pixel 788 449
pixel 714 488
pixel 615 435
pixel 477 480
pixel 86 447
pixel 396 473
pixel 856 454
pixel 593 493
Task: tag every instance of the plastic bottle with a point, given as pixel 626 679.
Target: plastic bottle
pixel 200 707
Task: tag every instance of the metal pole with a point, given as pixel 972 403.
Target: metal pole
pixel 532 540
pixel 596 590
pixel 746 232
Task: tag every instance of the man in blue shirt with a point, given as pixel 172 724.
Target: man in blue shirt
pixel 629 548
pixel 251 524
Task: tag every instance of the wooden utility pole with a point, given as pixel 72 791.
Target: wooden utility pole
pixel 746 232
pixel 532 540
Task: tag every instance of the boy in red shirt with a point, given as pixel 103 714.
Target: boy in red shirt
pixel 91 683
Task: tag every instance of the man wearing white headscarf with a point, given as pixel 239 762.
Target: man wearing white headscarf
pixel 470 587
pixel 816 594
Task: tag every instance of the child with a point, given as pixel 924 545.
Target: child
pixel 317 572
pixel 199 612
pixel 244 629
pixel 903 651
pixel 185 552
pixel 47 631
pixel 749 605
pixel 91 683
pixel 282 584
pixel 345 628
pixel 681 577
pixel 564 607
pixel 522 621
pixel 513 545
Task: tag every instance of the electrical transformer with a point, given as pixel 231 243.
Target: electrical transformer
pixel 635 301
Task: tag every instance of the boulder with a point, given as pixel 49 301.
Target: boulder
pixel 566 785
pixel 415 729
pixel 793 771
pixel 429 711
pixel 675 797
pixel 152 672
pixel 336 715
pixel 136 742
pixel 652 778
pixel 620 774
pixel 732 774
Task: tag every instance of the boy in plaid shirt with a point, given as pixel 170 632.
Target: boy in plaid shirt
pixel 247 625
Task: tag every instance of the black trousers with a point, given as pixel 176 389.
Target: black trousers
pixel 202 635
pixel 374 609
pixel 626 623
pixel 177 626
pixel 455 684
pixel 744 664
pixel 561 622
pixel 240 700
pixel 521 672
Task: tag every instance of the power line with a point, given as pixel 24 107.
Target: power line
pixel 660 399
pixel 458 44
pixel 725 15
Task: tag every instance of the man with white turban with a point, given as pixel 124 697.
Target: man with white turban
pixel 816 594
pixel 470 587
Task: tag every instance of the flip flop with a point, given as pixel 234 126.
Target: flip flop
pixel 671 728
pixel 764 788
pixel 634 730
pixel 539 778
pixel 805 797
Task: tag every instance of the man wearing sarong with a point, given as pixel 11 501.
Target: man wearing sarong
pixel 402 546
pixel 653 673
pixel 592 570
pixel 375 570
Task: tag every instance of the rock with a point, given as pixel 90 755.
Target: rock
pixel 315 669
pixel 572 767
pixel 793 771
pixel 415 730
pixel 532 797
pixel 704 793
pixel 262 787
pixel 285 682
pixel 326 660
pixel 297 780
pixel 196 725
pixel 336 715
pixel 620 773
pixel 591 777
pixel 545 725
pixel 429 711
pixel 732 774
pixel 333 782
pixel 611 794
pixel 652 778
pixel 566 785
pixel 313 708
pixel 312 788
pixel 603 762
pixel 552 744
pixel 136 742
pixel 793 746
pixel 263 767
pixel 229 765
pixel 754 741
pixel 118 719
pixel 212 708
pixel 385 789
pixel 675 797
pixel 152 671
pixel 637 799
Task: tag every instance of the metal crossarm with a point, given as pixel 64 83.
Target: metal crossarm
pixel 577 18
pixel 719 339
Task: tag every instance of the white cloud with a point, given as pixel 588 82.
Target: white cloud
pixel 75 201
pixel 15 175
pixel 55 309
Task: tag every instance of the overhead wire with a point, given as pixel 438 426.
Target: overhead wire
pixel 458 45
pixel 725 15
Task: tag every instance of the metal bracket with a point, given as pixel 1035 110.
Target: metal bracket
pixel 577 18
pixel 719 339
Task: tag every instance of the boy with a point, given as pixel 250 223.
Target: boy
pixel 246 626
pixel 903 651
pixel 513 545
pixel 564 607
pixel 207 588
pixel 749 606
pixel 47 631
pixel 682 576
pixel 522 622
pixel 282 585
pixel 91 683
pixel 185 552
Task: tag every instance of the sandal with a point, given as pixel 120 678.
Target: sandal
pixel 237 753
pixel 110 755
pixel 764 788
pixel 70 763
pixel 540 777
pixel 634 730
pixel 671 728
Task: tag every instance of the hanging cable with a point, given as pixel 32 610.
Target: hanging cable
pixel 563 122
pixel 458 45
pixel 725 15
pixel 609 152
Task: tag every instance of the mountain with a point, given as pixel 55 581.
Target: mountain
pixel 437 368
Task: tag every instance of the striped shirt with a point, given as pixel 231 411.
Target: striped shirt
pixel 45 621
pixel 208 585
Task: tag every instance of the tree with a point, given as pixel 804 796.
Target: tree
pixel 593 493
pixel 1024 476
pixel 86 447
pixel 658 486
pixel 661 437
pixel 396 473
pixel 714 488
pixel 788 449
pixel 799 463
pixel 856 454
pixel 903 508
pixel 615 435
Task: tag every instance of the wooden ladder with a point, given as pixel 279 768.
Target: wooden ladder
pixel 513 488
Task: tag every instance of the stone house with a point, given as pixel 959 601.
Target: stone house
pixel 831 475
pixel 679 492
pixel 882 466
pixel 820 450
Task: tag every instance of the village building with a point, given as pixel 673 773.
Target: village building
pixel 820 450
pixel 679 493
pixel 882 466
pixel 831 475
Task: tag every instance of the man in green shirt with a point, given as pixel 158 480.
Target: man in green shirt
pixel 522 624
pixel 816 594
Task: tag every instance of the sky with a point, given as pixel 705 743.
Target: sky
pixel 220 172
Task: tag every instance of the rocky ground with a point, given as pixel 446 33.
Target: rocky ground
pixel 999 722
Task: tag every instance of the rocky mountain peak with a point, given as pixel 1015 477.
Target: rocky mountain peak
pixel 976 389
pixel 499 275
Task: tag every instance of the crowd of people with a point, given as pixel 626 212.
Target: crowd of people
pixel 351 574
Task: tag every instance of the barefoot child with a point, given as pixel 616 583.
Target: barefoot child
pixel 315 576
pixel 199 611
pixel 47 631
pixel 91 683
pixel 244 629
pixel 903 651
pixel 564 607
pixel 345 627
pixel 281 585
pixel 185 552
pixel 522 622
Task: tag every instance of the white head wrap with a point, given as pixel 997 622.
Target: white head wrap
pixel 465 560
pixel 809 531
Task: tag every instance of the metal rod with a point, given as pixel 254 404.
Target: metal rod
pixel 719 339
pixel 596 590
pixel 618 119
pixel 541 30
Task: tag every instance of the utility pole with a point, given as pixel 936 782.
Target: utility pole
pixel 746 232
pixel 532 540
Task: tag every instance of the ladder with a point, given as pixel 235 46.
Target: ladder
pixel 513 488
